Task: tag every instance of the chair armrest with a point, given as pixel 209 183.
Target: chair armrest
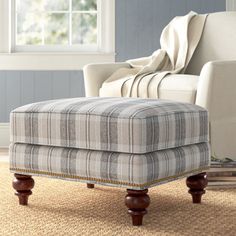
pixel 217 93
pixel 217 89
pixel 96 74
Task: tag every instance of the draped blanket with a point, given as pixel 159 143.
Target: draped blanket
pixel 179 40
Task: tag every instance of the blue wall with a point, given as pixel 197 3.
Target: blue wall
pixel 22 87
pixel 139 23
pixel 138 27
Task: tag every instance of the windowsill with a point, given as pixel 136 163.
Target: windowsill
pixel 52 60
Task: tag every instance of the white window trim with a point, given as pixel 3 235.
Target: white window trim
pixel 10 60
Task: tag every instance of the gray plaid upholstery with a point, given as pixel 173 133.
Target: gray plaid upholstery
pixel 134 171
pixel 127 125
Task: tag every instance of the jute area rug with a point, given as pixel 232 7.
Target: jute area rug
pixel 68 208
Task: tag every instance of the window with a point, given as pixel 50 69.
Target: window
pixel 47 24
pixel 49 30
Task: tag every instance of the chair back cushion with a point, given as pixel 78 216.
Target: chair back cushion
pixel 218 41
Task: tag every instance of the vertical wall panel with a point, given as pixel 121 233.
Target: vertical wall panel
pixel 161 19
pixel 120 25
pixel 13 91
pixel 133 27
pixel 213 5
pixel 60 84
pixel 27 87
pixel 193 5
pixel 177 8
pixel 3 112
pixel 145 14
pixel 43 85
pixel 77 84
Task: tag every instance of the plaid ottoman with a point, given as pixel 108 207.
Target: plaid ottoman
pixel 121 142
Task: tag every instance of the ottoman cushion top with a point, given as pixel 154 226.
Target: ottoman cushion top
pixel 130 125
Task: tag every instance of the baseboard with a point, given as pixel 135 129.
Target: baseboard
pixel 4 135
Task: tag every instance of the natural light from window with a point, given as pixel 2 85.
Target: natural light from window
pixel 56 22
pixel 56 34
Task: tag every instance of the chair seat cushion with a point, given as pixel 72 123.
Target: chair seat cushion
pixel 133 171
pixel 127 125
pixel 177 87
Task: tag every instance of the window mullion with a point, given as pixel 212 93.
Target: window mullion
pixel 43 28
pixel 99 25
pixel 70 22
pixel 14 25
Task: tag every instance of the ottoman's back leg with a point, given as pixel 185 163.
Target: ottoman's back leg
pixel 90 185
pixel 196 184
pixel 23 185
pixel 137 201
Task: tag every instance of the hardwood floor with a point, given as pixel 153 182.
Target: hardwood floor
pixel 4 155
pixel 3 151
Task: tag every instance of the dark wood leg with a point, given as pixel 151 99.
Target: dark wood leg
pixel 23 185
pixel 137 201
pixel 196 184
pixel 90 185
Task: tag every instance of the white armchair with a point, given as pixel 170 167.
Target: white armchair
pixel 210 81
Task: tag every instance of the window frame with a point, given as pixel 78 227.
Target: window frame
pixel 99 46
pixel 64 59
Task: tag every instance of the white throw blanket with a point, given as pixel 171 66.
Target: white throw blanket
pixel 179 40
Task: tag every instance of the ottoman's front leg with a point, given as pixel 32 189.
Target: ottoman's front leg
pixel 196 184
pixel 23 185
pixel 137 201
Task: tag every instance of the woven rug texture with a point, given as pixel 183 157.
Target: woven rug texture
pixel 68 208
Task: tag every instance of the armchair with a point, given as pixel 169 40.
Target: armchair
pixel 210 81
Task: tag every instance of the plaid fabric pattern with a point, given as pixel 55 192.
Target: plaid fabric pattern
pixel 136 171
pixel 129 125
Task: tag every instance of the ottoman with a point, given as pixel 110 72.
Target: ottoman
pixel 120 142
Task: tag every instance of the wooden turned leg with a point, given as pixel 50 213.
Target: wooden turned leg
pixel 23 185
pixel 90 185
pixel 196 184
pixel 137 201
